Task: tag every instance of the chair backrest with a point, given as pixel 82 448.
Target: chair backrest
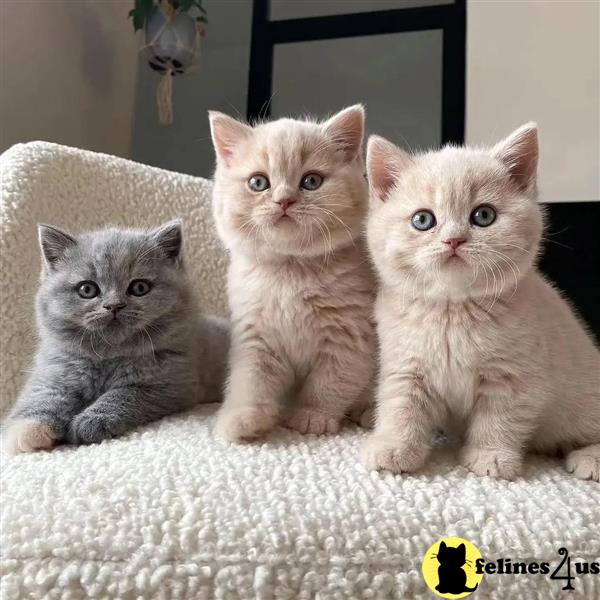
pixel 79 190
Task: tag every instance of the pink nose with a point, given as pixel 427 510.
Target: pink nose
pixel 285 203
pixel 454 243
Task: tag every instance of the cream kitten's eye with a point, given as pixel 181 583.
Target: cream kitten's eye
pixel 423 220
pixel 312 181
pixel 259 183
pixel 483 216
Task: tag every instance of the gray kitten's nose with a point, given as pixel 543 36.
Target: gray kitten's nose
pixel 115 306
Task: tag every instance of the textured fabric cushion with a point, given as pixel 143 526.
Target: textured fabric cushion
pixel 169 511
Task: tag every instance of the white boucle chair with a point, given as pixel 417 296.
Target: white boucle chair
pixel 171 511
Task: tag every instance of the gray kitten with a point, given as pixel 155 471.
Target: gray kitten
pixel 121 343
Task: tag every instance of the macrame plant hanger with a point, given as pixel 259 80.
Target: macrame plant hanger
pixel 172 47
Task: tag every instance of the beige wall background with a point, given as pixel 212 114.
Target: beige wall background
pixel 539 60
pixel 67 73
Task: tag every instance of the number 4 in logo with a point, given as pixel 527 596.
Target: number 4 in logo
pixel 566 559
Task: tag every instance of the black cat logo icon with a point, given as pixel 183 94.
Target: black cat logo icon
pixel 449 568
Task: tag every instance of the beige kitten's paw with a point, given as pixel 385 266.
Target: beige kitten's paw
pixel 305 420
pixel 365 417
pixel 585 463
pixel 381 454
pixel 504 464
pixel 245 424
pixel 28 435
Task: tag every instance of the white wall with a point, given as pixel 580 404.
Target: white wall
pixel 67 73
pixel 539 61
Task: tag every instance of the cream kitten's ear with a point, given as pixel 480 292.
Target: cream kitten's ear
pixel 519 152
pixel 385 163
pixel 226 133
pixel 347 129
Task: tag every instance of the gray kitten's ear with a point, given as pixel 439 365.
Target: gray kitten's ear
pixel 226 133
pixel 385 163
pixel 54 243
pixel 169 238
pixel 519 153
pixel 347 129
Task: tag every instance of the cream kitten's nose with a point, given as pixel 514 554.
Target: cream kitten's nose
pixel 454 243
pixel 285 203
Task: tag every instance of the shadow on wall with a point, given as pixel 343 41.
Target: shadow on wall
pixel 221 83
pixel 98 55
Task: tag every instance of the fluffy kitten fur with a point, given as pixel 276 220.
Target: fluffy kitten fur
pixel 100 371
pixel 300 286
pixel 480 337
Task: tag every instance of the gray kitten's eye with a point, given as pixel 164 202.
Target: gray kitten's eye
pixel 423 220
pixel 312 181
pixel 259 183
pixel 483 216
pixel 139 287
pixel 88 289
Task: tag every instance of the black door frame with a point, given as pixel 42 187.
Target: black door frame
pixel 449 18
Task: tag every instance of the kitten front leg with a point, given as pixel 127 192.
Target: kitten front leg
pixel 503 420
pixel 329 390
pixel 258 380
pixel 119 410
pixel 40 417
pixel 406 417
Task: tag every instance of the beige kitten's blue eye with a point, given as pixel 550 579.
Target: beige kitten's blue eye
pixel 259 183
pixel 88 289
pixel 312 181
pixel 483 216
pixel 139 287
pixel 423 220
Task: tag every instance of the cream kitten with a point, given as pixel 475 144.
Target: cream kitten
pixel 289 200
pixel 470 332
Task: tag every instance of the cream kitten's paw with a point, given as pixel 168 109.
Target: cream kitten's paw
pixel 585 463
pixel 504 464
pixel 365 417
pixel 381 454
pixel 305 420
pixel 28 435
pixel 245 424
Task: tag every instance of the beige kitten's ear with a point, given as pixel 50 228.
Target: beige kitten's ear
pixel 385 163
pixel 347 129
pixel 226 133
pixel 519 152
pixel 54 243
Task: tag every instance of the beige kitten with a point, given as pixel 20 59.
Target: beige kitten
pixel 289 200
pixel 470 332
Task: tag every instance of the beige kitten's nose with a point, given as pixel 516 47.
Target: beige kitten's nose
pixel 285 203
pixel 454 243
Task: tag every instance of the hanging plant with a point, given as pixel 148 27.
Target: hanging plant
pixel 173 33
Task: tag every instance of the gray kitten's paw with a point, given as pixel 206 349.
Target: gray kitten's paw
pixel 28 435
pixel 245 424
pixel 306 420
pixel 585 463
pixel 505 464
pixel 382 454
pixel 89 428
